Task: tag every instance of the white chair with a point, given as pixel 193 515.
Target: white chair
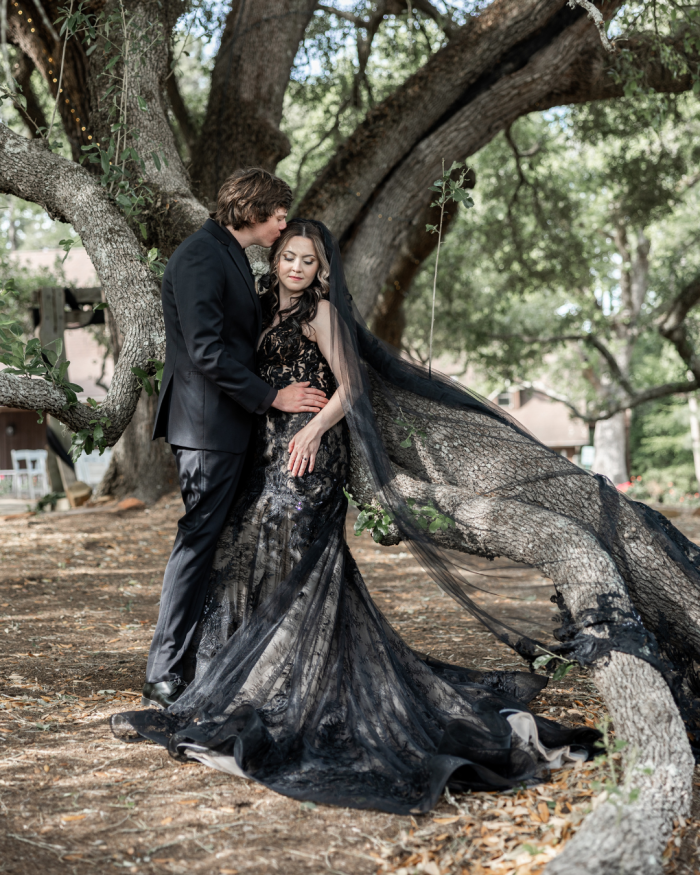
pixel 91 468
pixel 34 471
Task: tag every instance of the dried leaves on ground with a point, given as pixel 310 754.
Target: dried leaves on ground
pixel 78 600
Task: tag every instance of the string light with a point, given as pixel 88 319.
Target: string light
pixel 50 73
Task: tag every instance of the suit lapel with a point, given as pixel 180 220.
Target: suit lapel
pixel 236 253
pixel 239 260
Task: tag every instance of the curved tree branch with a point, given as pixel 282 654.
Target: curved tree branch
pixel 510 496
pixel 597 19
pixel 71 194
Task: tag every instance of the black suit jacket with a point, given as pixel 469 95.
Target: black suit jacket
pixel 210 392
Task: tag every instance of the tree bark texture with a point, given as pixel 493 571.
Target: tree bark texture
pixel 512 497
pixel 70 194
pixel 250 77
pixel 489 478
pixel 140 466
pixel 417 244
pixel 628 838
pixel 34 114
pixel 38 39
pixel 173 212
pixel 511 60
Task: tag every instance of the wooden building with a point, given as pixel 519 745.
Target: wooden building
pixel 19 430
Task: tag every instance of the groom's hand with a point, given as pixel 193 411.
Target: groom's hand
pixel 299 398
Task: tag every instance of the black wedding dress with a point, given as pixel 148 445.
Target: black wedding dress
pixel 300 683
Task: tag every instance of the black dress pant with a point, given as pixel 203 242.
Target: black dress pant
pixel 208 481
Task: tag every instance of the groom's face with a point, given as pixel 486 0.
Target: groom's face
pixel 267 232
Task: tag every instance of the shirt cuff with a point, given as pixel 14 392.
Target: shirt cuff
pixel 266 403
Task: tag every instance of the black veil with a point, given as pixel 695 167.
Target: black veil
pixel 375 375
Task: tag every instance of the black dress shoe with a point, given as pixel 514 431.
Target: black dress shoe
pixel 162 694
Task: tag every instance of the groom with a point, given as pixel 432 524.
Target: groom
pixel 209 397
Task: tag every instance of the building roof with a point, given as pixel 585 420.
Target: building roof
pixel 551 422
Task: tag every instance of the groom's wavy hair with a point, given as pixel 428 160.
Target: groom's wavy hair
pixel 305 307
pixel 251 196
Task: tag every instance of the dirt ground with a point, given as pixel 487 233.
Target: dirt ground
pixel 78 602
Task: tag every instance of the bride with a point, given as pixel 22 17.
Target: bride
pixel 297 680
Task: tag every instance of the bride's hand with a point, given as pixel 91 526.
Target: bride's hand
pixel 303 448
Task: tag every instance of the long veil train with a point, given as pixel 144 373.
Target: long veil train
pixel 299 681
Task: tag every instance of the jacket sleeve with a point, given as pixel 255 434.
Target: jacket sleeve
pixel 199 283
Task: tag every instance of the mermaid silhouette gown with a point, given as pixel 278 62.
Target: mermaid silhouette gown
pixel 297 679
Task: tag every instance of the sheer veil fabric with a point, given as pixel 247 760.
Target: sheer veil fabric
pixel 296 679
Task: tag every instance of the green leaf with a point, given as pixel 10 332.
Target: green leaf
pixel 98 433
pixel 542 661
pixel 156 160
pixel 406 443
pixel 101 306
pixel 562 670
pixel 142 104
pixel 351 500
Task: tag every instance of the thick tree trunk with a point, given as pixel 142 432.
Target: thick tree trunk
pixel 172 211
pixel 250 77
pixel 140 466
pixel 418 243
pixel 628 838
pixel 473 465
pixel 610 441
pixel 37 38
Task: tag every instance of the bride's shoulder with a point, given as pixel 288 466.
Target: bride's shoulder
pixel 323 311
pixel 320 325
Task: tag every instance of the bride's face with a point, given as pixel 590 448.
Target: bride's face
pixel 297 266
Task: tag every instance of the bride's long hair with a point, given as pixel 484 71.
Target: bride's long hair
pixel 305 306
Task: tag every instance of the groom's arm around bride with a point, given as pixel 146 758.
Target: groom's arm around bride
pixel 210 395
